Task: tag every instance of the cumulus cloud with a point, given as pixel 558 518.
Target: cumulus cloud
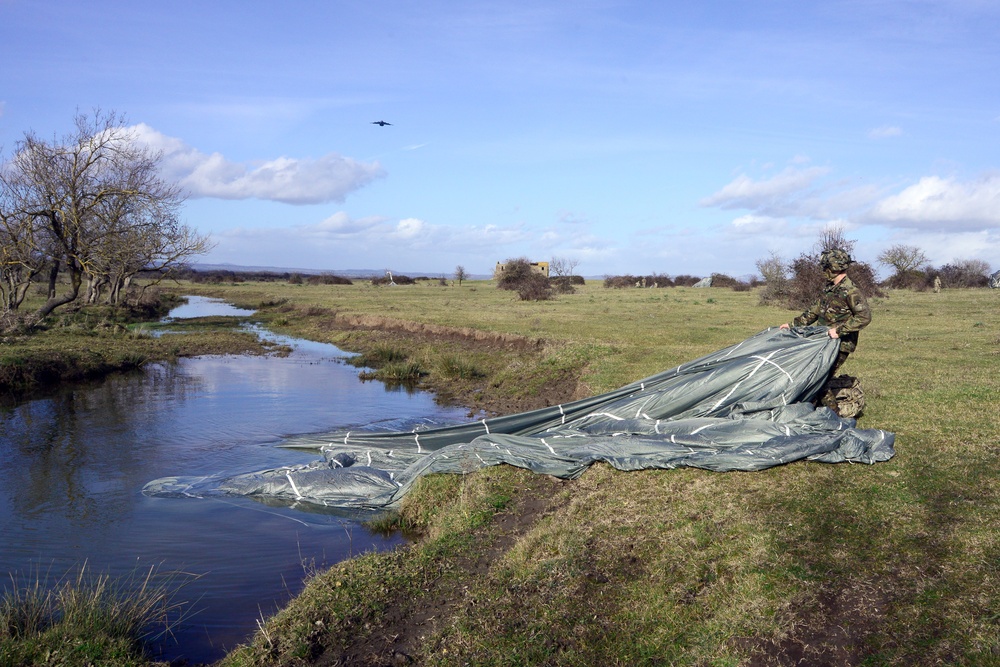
pixel 340 241
pixel 934 203
pixel 759 224
pixel 777 196
pixel 341 225
pixel 289 180
pixel 885 132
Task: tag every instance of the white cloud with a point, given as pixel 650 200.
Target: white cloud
pixel 885 132
pixel 409 229
pixel 340 241
pixel 288 180
pixel 342 225
pixel 935 203
pixel 777 196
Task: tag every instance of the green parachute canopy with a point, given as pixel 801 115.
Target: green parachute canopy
pixel 746 407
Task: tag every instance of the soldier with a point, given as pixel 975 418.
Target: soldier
pixel 841 307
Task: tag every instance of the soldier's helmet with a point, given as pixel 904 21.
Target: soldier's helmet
pixel 835 259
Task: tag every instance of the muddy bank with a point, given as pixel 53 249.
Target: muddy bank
pixel 31 365
pixel 496 391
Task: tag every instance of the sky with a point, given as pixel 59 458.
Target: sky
pixel 626 137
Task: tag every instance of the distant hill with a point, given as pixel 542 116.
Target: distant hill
pixel 346 273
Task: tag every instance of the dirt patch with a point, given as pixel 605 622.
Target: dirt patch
pixel 831 632
pixel 406 626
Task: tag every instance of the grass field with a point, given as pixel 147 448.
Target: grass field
pixel 892 564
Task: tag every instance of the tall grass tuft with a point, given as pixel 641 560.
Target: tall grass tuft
pixel 379 356
pixel 457 368
pixel 87 618
pixel 400 372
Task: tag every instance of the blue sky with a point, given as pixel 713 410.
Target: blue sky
pixel 629 137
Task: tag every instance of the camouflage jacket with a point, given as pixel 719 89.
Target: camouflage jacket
pixel 842 306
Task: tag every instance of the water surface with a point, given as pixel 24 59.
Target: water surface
pixel 74 465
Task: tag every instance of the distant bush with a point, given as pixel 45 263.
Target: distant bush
pixel 963 273
pixel 723 280
pixel 395 280
pixel 913 279
pixel 652 280
pixel 566 284
pixel 686 281
pixel 519 276
pixel 329 279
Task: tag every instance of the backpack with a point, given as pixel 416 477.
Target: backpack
pixel 846 393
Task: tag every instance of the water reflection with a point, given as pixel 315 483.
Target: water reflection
pixel 75 463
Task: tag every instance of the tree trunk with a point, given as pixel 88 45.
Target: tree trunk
pixel 53 276
pixel 76 281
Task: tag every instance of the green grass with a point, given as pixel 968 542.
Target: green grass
pixel 86 619
pixel 892 564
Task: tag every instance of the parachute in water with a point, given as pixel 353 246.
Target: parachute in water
pixel 746 407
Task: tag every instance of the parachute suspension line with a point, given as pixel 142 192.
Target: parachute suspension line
pixel 416 439
pixel 563 414
pixel 767 360
pixel 295 489
pixel 346 436
pixel 547 445
pixel 735 347
pixel 638 412
pixel 728 394
pixel 486 425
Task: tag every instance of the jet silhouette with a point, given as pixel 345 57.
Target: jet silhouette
pixel 380 123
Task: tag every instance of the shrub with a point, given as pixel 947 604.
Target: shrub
pixel 964 273
pixel 808 281
pixel 562 284
pixel 722 280
pixel 329 279
pixel 653 280
pixel 686 281
pixel 394 280
pixel 518 276
pixel 912 279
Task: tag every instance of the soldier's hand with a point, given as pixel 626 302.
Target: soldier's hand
pixel 784 326
pixel 833 333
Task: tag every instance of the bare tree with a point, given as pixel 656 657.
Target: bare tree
pixel 20 259
pixel 562 266
pixel 100 211
pixel 460 274
pixel 774 271
pixel 833 237
pixel 903 258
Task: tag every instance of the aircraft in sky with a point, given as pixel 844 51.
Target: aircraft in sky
pixel 380 123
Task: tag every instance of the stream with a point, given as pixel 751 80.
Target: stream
pixel 74 464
